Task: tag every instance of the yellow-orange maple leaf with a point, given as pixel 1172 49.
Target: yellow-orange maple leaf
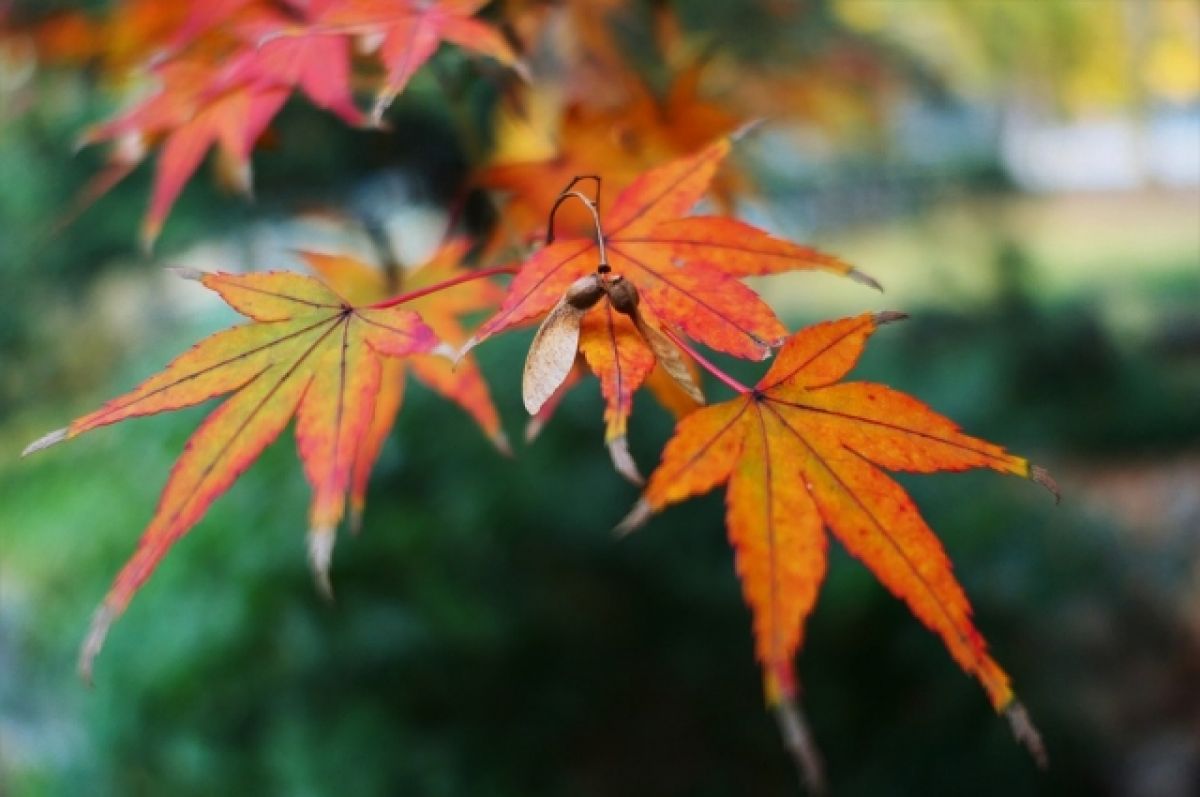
pixel 462 383
pixel 308 353
pixel 803 452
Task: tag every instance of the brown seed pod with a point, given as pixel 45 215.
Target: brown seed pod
pixel 623 295
pixel 584 292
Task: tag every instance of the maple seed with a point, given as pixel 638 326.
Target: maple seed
pixel 585 292
pixel 623 295
pixel 670 358
pixel 553 350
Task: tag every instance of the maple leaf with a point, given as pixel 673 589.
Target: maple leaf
pixel 462 383
pixel 307 353
pixel 802 452
pixel 256 55
pixel 639 133
pixel 680 273
pixel 587 108
pixel 686 270
pixel 408 32
pixel 124 38
pixel 201 105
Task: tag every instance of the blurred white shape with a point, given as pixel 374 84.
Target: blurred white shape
pixel 1173 154
pixel 1103 154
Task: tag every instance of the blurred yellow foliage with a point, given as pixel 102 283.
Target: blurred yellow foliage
pixel 1081 56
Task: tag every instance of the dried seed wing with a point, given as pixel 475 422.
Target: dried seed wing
pixel 552 352
pixel 670 358
pixel 551 355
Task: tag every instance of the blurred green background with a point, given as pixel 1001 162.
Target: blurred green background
pixel 1027 186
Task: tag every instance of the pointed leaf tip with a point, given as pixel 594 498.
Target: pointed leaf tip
pixel 1040 475
pixel 45 441
pixel 637 516
pixel 618 449
pixel 446 352
pixel 102 620
pixel 186 272
pixel 746 129
pixel 320 554
pixel 1027 733
pixel 864 279
pixel 500 441
pixel 888 317
pixel 383 101
pixel 798 741
pixel 149 235
pixel 465 349
pixel 533 428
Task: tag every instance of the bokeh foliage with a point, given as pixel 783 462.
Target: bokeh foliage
pixel 489 636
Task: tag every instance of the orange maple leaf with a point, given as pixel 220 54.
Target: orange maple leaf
pixel 686 269
pixel 684 274
pixel 307 352
pixel 587 108
pixel 124 38
pixel 641 132
pixel 463 383
pixel 803 452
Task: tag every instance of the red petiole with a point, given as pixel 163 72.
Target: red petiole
pixel 441 286
pixel 707 365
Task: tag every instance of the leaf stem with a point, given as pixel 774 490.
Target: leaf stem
pixel 566 192
pixel 728 380
pixel 443 285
